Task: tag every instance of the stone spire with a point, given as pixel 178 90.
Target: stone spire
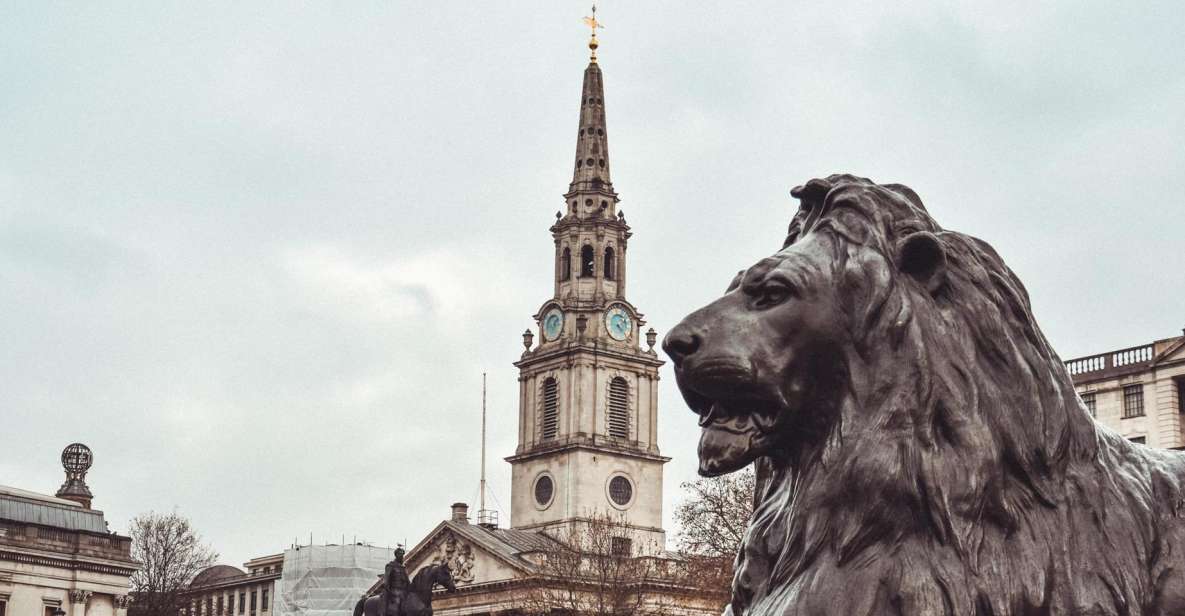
pixel 592 141
pixel 591 237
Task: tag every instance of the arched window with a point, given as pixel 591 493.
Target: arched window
pixel 551 408
pixel 587 261
pixel 610 267
pixel 566 264
pixel 619 405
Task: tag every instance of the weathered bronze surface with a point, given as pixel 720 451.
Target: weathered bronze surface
pixel 399 596
pixel 920 447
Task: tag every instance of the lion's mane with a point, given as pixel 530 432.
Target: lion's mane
pixel 963 475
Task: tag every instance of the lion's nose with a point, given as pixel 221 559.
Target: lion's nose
pixel 680 342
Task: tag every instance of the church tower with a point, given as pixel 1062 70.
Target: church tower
pixel 588 392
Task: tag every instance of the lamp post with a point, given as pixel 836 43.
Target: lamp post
pixel 59 612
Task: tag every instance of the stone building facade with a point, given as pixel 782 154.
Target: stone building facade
pixel 223 590
pixel 1137 391
pixel 56 552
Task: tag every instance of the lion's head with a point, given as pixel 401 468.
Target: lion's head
pixel 874 325
pixel 765 366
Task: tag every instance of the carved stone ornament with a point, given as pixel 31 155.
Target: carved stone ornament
pixel 123 602
pixel 458 556
pixel 919 446
pixel 80 596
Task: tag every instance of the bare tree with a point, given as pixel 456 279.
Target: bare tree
pixel 598 571
pixel 712 520
pixel 170 554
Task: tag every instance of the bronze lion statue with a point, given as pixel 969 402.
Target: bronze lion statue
pixel 920 448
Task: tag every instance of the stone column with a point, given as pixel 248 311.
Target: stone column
pixel 78 599
pixel 122 603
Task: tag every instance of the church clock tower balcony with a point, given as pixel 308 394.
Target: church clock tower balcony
pixel 588 395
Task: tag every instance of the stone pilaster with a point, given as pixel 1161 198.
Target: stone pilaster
pixel 78 600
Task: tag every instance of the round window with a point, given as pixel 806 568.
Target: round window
pixel 543 490
pixel 621 490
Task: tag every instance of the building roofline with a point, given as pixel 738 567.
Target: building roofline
pixel 37 496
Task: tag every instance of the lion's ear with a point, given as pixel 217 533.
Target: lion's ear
pixel 922 257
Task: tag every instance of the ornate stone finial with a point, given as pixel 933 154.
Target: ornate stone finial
pixel 593 24
pixel 651 338
pixel 76 460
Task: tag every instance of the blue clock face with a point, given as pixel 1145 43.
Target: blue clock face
pixel 618 323
pixel 553 324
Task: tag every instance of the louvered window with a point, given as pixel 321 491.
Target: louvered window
pixel 619 404
pixel 551 408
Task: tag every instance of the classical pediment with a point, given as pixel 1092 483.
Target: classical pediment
pixel 1174 351
pixel 475 555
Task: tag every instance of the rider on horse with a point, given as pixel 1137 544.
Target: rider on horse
pixel 395 584
pixel 398 596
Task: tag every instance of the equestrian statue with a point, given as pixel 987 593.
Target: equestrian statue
pixel 399 596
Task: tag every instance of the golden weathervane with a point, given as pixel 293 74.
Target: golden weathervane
pixel 593 24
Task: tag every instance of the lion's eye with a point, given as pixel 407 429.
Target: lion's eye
pixel 771 294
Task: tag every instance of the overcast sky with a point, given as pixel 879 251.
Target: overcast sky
pixel 257 255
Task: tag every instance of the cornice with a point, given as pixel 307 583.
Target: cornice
pixel 245 580
pixel 570 221
pixel 576 348
pixel 121 568
pixel 552 449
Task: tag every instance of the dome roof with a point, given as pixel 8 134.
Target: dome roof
pixel 217 573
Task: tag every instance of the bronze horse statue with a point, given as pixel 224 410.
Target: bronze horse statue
pixel 416 600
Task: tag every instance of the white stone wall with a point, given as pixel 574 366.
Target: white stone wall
pixel 198 600
pixel 580 478
pixel 29 589
pixel 1161 424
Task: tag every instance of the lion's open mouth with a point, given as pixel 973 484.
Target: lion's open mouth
pixel 722 401
pixel 734 417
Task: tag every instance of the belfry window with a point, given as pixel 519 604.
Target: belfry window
pixel 551 408
pixel 619 405
pixel 566 264
pixel 610 267
pixel 587 261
